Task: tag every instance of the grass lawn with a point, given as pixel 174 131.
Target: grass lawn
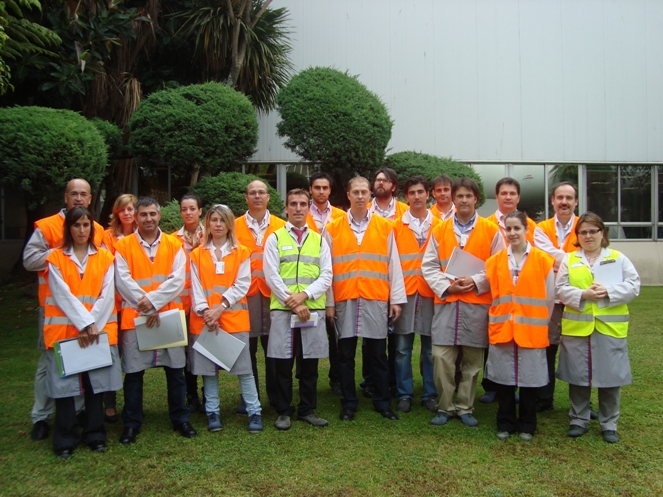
pixel 370 456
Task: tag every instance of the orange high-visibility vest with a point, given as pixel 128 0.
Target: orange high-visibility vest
pixel 360 270
pixel 110 240
pixel 148 275
pixel 411 256
pixel 401 208
pixel 549 228
pixel 435 210
pixel 531 226
pixel 236 318
pixel 185 295
pixel 246 238
pixel 335 214
pixel 57 326
pixel 478 244
pixel 519 312
pixel 52 228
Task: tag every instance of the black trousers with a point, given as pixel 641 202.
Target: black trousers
pixel 66 428
pixel 308 381
pixel 547 393
pixel 333 353
pixel 486 384
pixel 507 419
pixel 391 360
pixel 132 414
pixel 375 360
pixel 270 371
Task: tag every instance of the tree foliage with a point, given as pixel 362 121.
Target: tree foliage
pixel 112 137
pixel 332 119
pixel 197 129
pixel 230 188
pixel 410 163
pixel 171 220
pixel 42 149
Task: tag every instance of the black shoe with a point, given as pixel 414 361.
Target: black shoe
pixel 389 414
pixel 64 453
pixel 40 431
pixel 347 414
pixel 368 391
pixel 593 414
pixel 111 418
pixel 129 436
pixel 544 405
pixel 97 446
pixel 186 430
pixel 193 403
pixel 336 388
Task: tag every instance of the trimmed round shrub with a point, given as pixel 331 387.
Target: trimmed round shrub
pixel 296 180
pixel 230 189
pixel 42 149
pixel 112 137
pixel 171 220
pixel 411 163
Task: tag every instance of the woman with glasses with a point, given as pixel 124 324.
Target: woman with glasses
pixel 220 279
pixel 595 284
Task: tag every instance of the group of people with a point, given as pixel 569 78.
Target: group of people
pixel 310 287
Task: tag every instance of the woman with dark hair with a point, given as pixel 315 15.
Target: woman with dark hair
pixel 522 284
pixel 80 303
pixel 595 283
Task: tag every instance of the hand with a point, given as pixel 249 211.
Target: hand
pixel 331 313
pixel 211 316
pixel 144 305
pixel 153 319
pixel 595 293
pixel 83 338
pixel 462 284
pixel 601 290
pixel 394 312
pixel 93 334
pixel 295 300
pixel 303 313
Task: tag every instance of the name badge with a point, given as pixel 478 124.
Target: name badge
pixel 609 261
pixel 577 264
pixel 259 240
pixel 463 240
pixel 220 267
pixel 286 247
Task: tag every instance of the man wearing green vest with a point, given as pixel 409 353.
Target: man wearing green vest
pixel 298 270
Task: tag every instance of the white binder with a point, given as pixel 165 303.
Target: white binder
pixel 170 333
pixel 222 349
pixel 72 359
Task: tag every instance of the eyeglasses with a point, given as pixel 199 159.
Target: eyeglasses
pixel 593 232
pixel 260 193
pixel 382 180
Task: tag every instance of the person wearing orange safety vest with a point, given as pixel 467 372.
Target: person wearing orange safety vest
pixel 412 232
pixel 253 229
pixel 47 236
pixel 320 214
pixel 443 208
pixel 556 236
pixel 220 279
pixel 595 284
pixel 149 274
pixel 366 292
pixel 80 303
pixel 522 286
pixel 460 321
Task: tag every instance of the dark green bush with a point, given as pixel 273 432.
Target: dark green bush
pixel 330 118
pixel 170 217
pixel 112 136
pixel 198 129
pixel 296 180
pixel 409 163
pixel 42 149
pixel 230 189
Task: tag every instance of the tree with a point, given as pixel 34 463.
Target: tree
pixel 197 129
pixel 230 188
pixel 42 149
pixel 331 119
pixel 411 163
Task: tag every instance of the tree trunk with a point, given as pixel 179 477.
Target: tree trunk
pixel 194 175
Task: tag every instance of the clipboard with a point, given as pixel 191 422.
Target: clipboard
pixel 72 359
pixel 222 349
pixel 608 272
pixel 170 333
pixel 311 323
pixel 462 263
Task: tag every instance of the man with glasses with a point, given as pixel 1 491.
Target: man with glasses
pixel 46 237
pixel 253 229
pixel 557 237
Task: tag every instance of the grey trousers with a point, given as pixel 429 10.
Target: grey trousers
pixel 608 406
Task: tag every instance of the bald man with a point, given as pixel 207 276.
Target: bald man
pixel 47 237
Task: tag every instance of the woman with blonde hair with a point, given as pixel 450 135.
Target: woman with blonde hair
pixel 595 283
pixel 220 279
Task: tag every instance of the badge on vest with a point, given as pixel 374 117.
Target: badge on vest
pixel 259 240
pixel 577 264
pixel 609 261
pixel 286 247
pixel 463 240
pixel 220 267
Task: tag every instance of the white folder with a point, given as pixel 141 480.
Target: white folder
pixel 170 333
pixel 222 349
pixel 72 359
pixel 607 272
pixel 311 323
pixel 463 263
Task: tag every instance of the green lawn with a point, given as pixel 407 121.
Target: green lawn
pixel 370 456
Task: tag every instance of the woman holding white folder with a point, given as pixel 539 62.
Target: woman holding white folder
pixel 79 304
pixel 522 284
pixel 595 283
pixel 220 279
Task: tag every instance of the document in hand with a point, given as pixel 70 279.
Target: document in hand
pixel 311 323
pixel 463 263
pixel 170 333
pixel 607 272
pixel 222 349
pixel 72 359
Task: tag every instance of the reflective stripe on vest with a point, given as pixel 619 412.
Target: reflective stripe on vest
pixel 611 321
